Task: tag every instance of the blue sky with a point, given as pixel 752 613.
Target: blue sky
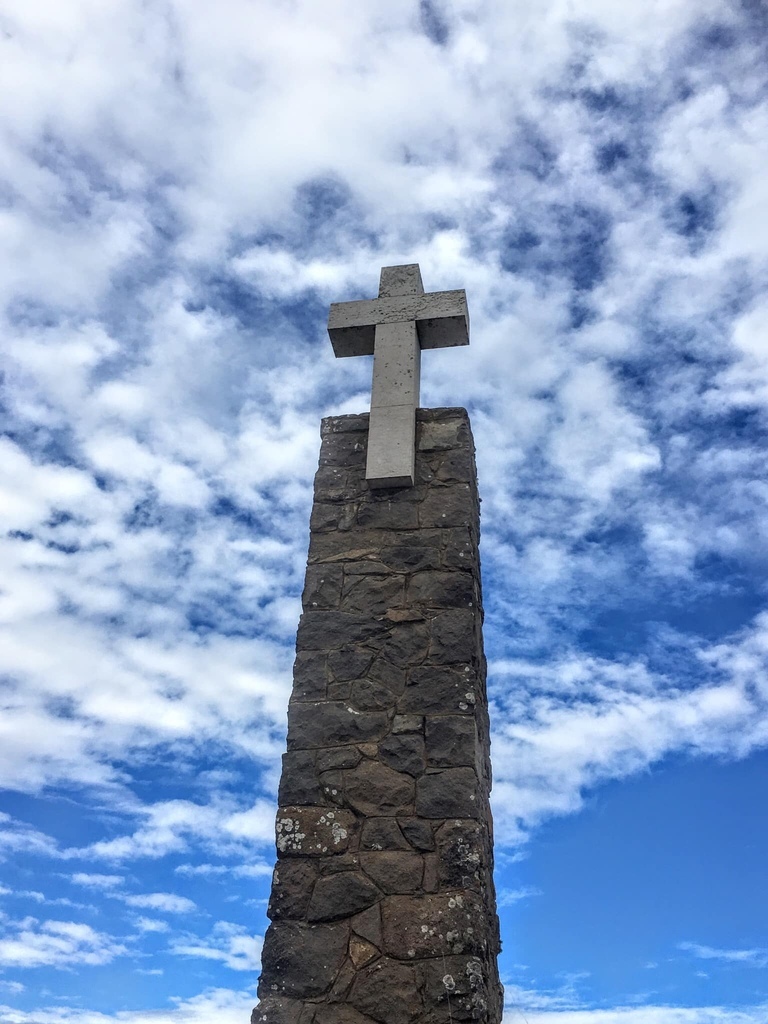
pixel 182 193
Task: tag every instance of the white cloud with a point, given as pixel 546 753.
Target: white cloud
pixel 91 881
pixel 229 944
pixel 508 897
pixel 31 943
pixel 151 924
pixel 166 901
pixel 749 957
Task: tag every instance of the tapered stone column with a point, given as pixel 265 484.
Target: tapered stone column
pixel 383 907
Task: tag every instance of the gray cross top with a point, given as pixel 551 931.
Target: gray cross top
pixel 394 328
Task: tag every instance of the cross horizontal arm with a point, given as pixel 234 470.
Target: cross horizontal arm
pixel 441 319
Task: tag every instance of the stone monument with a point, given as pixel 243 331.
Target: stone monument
pixel 383 907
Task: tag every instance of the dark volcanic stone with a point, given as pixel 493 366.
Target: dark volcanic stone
pixel 322 588
pixel 388 992
pixel 394 872
pixel 368 925
pixel 349 664
pixel 462 979
pixel 453 637
pixel 372 595
pixel 442 589
pixel 418 833
pixel 431 925
pixel 309 676
pixel 373 789
pixel 436 690
pixel 388 515
pixel 292 885
pixel 337 757
pixel 382 834
pixel 451 741
pixel 278 1011
pixel 313 831
pixel 332 724
pixel 341 895
pixel 462 856
pixel 368 695
pixel 301 960
pixel 324 631
pixel 447 506
pixel 451 793
pixel 299 783
pixel 403 752
pixel 407 644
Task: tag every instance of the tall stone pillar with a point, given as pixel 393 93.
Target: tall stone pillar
pixel 383 906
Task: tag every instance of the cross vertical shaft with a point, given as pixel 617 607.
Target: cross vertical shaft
pixel 391 460
pixel 394 328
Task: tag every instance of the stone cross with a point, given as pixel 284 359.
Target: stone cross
pixel 394 328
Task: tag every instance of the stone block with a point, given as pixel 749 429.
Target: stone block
pixel 349 664
pixel 332 724
pixel 338 483
pixel 302 960
pixel 336 1013
pixel 332 758
pixel 462 859
pixel 460 981
pixel 367 695
pixel 310 676
pixel 434 589
pixel 368 925
pixel 451 741
pixel 372 595
pixel 362 953
pixel 386 514
pixel 313 831
pixel 292 885
pixel 406 644
pixel 457 465
pixel 409 552
pixel 374 790
pixel 382 834
pixel 403 752
pixel 433 689
pixel 454 637
pixel 341 895
pixel 447 506
pixel 278 1011
pixel 299 783
pixel 437 436
pixel 388 674
pixel 388 992
pixel 418 833
pixel 394 872
pixel 459 549
pixel 451 793
pixel 431 925
pixel 407 723
pixel 325 631
pixel 322 587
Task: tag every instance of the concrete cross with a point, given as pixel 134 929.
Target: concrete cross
pixel 394 328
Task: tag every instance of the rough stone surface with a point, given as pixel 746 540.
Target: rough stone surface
pixel 383 907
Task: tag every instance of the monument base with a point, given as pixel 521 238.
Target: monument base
pixel 383 905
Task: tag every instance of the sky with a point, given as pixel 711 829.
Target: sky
pixel 184 188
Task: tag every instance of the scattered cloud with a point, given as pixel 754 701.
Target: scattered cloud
pixel 748 957
pixel 230 944
pixel 59 944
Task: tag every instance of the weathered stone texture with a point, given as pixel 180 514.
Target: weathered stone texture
pixel 383 907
